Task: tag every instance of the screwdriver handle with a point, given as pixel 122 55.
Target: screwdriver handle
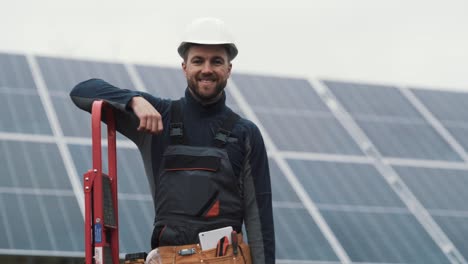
pixel 235 242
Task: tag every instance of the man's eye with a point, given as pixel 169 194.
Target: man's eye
pixel 218 62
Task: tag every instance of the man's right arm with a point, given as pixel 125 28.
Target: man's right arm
pixel 136 110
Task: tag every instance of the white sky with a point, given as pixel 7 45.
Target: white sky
pixel 404 42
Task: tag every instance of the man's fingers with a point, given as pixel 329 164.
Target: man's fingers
pixel 142 126
pixel 148 124
pixel 150 119
pixel 160 124
pixel 151 123
pixel 154 126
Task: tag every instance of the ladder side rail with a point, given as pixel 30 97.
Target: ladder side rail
pixel 112 163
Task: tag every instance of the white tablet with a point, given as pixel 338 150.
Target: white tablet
pixel 209 239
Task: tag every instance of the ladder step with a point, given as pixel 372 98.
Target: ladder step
pixel 109 214
pixel 107 254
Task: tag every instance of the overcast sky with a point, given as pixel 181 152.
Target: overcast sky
pixel 404 42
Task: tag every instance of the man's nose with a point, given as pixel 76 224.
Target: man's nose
pixel 207 68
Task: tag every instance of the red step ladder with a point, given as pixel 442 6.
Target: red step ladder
pixel 100 191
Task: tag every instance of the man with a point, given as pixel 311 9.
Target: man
pixel 206 166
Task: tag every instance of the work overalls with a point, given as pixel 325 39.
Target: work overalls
pixel 196 191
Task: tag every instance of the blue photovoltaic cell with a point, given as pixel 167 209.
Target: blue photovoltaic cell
pixel 374 100
pixel 20 233
pixel 32 165
pixel 312 133
pixel 450 109
pixel 444 105
pixel 22 112
pixel 135 225
pixel 456 229
pixel 5 230
pixel 132 176
pixel 43 222
pixel 169 83
pixel 440 189
pixel 63 74
pixel 298 237
pixel 280 187
pixel 299 121
pixel 67 222
pixel 391 122
pixel 403 140
pixel 163 82
pixel 43 235
pixel 383 237
pixel 276 92
pixel 459 132
pixel 74 121
pixel 15 72
pixel 334 183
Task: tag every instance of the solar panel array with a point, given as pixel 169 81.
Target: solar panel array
pixel 360 173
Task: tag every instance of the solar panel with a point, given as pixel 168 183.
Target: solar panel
pixel 298 237
pixel 22 112
pixel 456 228
pixel 37 195
pixel 291 219
pixel 450 109
pixel 383 237
pixel 391 122
pixel 32 165
pixel 279 93
pixel 76 123
pixel 61 74
pixel 164 82
pixel 437 189
pixel 355 199
pixel 38 222
pixel 339 183
pixel 443 193
pixel 280 188
pixel 299 121
pixel 446 106
pixel 310 144
pixel 15 72
pixel 415 140
pixel 375 100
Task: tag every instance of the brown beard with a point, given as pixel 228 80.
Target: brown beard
pixel 193 86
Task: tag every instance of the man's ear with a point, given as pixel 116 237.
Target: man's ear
pixel 184 67
pixel 229 69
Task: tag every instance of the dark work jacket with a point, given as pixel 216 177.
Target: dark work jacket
pixel 246 152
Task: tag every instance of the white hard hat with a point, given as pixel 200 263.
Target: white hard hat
pixel 208 31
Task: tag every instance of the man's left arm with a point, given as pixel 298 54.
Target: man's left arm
pixel 258 216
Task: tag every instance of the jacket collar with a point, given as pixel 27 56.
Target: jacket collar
pixel 195 104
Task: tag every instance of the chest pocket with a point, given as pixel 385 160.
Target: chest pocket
pixel 197 181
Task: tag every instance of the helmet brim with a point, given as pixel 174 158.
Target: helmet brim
pixel 231 48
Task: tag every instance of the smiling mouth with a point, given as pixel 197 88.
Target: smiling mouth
pixel 206 80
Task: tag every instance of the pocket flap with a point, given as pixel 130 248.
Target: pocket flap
pixel 188 162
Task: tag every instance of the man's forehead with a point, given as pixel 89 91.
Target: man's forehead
pixel 207 51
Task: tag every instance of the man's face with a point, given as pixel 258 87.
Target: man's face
pixel 207 70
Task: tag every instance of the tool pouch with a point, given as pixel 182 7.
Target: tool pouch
pixel 170 255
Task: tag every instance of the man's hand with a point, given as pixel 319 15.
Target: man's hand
pixel 150 118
